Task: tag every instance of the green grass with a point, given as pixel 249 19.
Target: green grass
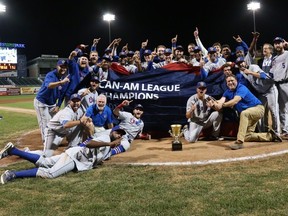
pixel 250 188
pixel 25 101
pixel 12 125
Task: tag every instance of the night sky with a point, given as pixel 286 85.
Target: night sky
pixel 53 27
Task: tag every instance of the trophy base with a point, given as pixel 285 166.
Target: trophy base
pixel 176 146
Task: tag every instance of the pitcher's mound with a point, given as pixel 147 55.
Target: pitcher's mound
pixel 159 151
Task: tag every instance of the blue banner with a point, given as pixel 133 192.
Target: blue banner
pixel 162 92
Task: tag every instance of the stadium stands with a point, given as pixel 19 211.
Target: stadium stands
pixel 25 81
pixel 4 81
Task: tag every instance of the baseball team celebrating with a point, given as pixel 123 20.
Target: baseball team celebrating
pixel 256 90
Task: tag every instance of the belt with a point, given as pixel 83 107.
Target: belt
pixel 281 81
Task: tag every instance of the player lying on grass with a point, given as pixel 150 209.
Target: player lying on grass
pixel 86 156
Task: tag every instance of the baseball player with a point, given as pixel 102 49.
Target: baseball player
pixel 200 115
pixel 69 122
pixel 86 156
pixel 50 91
pixel 131 123
pixel 78 69
pixel 279 70
pixel 90 94
pixel 266 89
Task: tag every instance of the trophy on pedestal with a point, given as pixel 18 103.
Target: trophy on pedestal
pixel 176 133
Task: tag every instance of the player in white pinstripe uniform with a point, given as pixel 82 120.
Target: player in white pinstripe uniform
pixel 84 157
pixel 200 115
pixel 266 89
pixel 279 70
pixel 69 122
pixel 131 123
pixel 213 64
pixel 167 59
pixel 89 95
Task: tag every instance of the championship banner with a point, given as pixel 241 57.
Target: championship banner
pixel 163 92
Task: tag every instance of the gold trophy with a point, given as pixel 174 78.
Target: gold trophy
pixel 176 133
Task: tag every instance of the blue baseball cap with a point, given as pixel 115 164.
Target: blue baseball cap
pixel 85 55
pixel 119 130
pixel 147 52
pixel 62 62
pixel 130 53
pixel 122 55
pixel 167 51
pixel 94 79
pixel 201 85
pixel 239 60
pixel 239 48
pixel 212 50
pixel 75 96
pixel 107 58
pixel 278 39
pixel 197 48
pixel 179 47
pixel 139 106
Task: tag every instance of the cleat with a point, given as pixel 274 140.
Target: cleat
pixel 220 138
pixel 237 145
pixel 275 137
pixel 185 127
pixel 7 176
pixel 5 151
pixel 284 136
pixel 145 136
pixel 26 149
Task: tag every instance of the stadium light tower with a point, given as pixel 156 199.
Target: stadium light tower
pixel 2 8
pixel 109 17
pixel 253 6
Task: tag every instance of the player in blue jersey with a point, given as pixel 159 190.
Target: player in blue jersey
pixel 48 95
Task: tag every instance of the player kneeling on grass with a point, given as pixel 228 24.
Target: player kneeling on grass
pixel 86 156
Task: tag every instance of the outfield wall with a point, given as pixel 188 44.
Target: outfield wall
pixel 12 90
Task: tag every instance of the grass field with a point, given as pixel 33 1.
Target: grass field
pixel 257 187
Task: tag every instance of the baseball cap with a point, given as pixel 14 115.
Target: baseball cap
pixel 130 53
pixel 179 47
pixel 107 58
pixel 139 106
pixel 122 55
pixel 239 60
pixel 278 39
pixel 61 62
pixel 75 96
pixel 197 48
pixel 94 79
pixel 85 55
pixel 119 130
pixel 239 48
pixel 167 51
pixel 212 50
pixel 201 85
pixel 147 52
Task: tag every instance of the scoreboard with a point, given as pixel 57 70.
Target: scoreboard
pixel 8 56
